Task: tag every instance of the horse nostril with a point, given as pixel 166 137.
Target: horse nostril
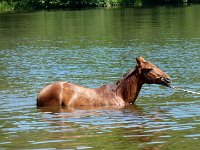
pixel 168 80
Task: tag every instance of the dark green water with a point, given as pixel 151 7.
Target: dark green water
pixel 91 48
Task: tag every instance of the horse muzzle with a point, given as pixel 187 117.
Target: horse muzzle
pixel 166 81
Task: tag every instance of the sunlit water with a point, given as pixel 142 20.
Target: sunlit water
pixel 93 47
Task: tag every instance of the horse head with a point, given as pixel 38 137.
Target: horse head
pixel 151 74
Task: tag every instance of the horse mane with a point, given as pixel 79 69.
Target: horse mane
pixel 127 76
pixel 124 85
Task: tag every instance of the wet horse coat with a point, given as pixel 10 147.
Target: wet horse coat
pixel 121 93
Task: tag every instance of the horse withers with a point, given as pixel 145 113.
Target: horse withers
pixel 124 92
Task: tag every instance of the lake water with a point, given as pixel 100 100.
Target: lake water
pixel 93 47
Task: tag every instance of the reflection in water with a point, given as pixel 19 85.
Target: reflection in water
pixel 132 123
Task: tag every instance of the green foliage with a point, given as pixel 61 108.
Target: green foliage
pixel 50 4
pixel 45 4
pixel 4 6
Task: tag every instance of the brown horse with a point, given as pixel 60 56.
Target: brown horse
pixel 123 92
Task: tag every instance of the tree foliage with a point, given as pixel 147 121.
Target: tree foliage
pixel 50 4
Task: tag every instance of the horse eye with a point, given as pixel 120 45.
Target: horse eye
pixel 149 69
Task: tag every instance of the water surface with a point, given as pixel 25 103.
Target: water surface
pixel 93 47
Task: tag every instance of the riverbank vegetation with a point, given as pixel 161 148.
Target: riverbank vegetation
pixel 8 5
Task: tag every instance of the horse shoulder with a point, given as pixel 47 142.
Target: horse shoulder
pixel 109 95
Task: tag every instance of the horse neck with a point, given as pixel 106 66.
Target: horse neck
pixel 129 88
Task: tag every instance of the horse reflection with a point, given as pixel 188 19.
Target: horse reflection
pixel 132 124
pixel 124 92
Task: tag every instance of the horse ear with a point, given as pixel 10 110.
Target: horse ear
pixel 139 61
